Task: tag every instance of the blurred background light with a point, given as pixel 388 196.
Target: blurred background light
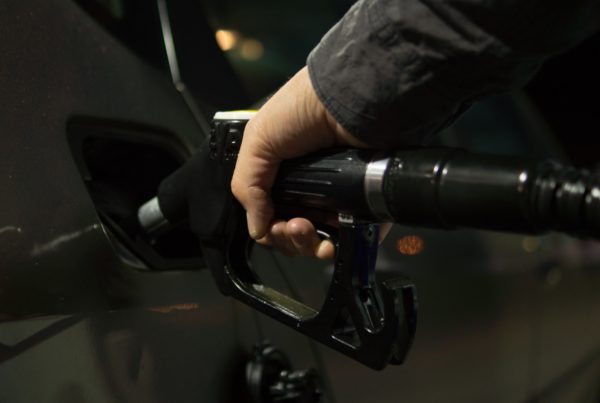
pixel 410 245
pixel 226 39
pixel 530 244
pixel 251 49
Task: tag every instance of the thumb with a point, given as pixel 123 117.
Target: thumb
pixel 253 177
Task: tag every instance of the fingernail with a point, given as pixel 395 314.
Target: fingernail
pixel 252 230
pixel 322 248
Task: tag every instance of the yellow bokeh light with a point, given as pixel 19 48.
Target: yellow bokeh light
pixel 530 244
pixel 251 49
pixel 226 39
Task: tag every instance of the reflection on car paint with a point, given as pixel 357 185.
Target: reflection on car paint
pixel 54 244
pixel 10 228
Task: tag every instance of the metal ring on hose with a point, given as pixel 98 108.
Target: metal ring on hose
pixel 373 185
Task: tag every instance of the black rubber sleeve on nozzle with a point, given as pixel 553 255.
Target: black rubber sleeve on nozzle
pixel 173 192
pixel 331 181
pixel 448 188
pixel 199 191
pixel 200 186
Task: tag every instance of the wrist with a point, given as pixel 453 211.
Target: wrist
pixel 340 136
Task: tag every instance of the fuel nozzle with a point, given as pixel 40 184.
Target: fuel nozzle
pixel 370 321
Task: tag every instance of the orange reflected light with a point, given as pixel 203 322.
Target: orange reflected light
pixel 176 307
pixel 226 39
pixel 410 245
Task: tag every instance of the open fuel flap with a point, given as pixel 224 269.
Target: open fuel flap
pixel 122 165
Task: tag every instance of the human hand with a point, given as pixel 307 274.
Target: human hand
pixel 292 123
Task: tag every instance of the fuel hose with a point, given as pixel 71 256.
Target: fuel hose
pixel 446 188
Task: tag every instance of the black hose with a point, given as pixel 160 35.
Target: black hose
pixel 453 188
pixel 448 188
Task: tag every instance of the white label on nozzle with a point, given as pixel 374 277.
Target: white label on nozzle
pixel 234 115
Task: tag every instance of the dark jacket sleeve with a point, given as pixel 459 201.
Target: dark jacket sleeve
pixel 393 72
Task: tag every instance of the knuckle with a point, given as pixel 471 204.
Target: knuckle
pixel 256 192
pixel 244 192
pixel 236 187
pixel 252 127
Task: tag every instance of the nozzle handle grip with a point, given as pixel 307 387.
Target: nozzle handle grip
pixel 331 181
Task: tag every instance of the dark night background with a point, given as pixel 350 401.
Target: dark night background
pixel 566 91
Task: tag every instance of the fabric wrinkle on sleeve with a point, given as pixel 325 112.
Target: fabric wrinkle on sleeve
pixel 392 72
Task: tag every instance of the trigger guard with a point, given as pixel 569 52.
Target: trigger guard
pixel 375 344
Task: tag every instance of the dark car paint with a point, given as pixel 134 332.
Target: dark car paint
pixel 62 65
pixel 57 257
pixel 502 317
